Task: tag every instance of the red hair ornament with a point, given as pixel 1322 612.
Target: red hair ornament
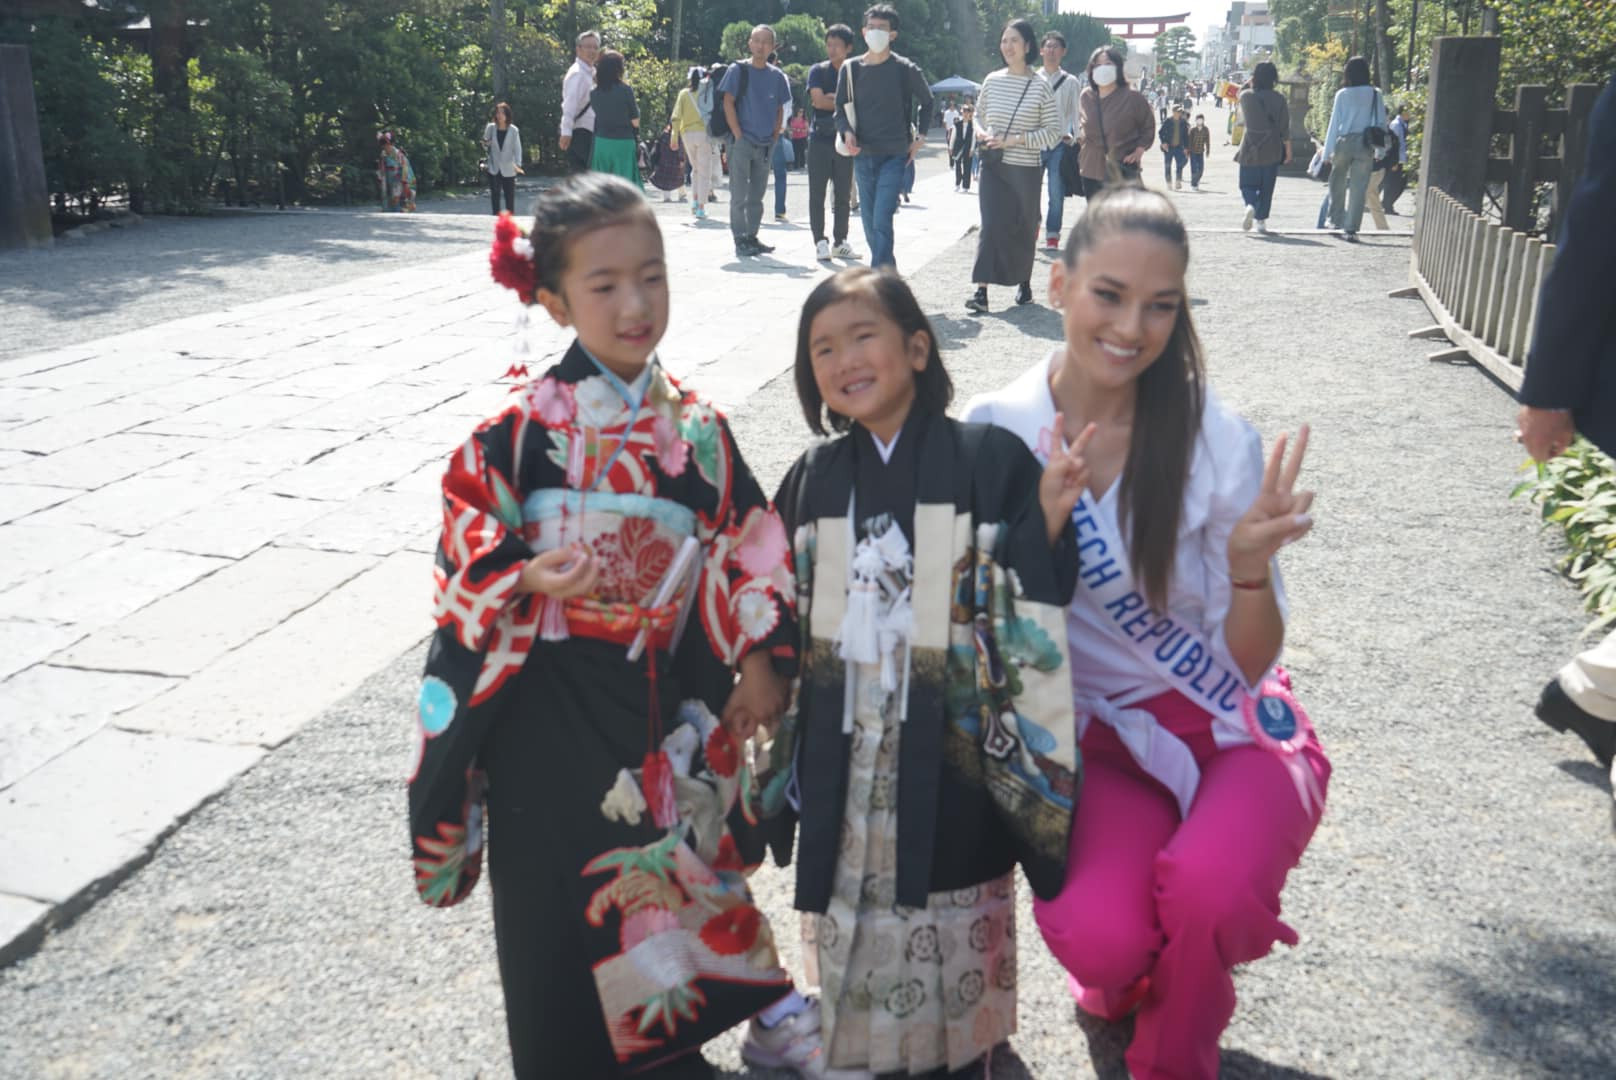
pixel 511 260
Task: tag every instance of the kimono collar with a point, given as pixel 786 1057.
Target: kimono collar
pixel 633 394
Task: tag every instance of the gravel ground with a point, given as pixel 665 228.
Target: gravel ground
pixel 1455 906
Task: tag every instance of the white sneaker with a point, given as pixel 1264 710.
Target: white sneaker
pixel 822 251
pixel 1251 215
pixel 844 250
pixel 795 1043
pixel 1262 226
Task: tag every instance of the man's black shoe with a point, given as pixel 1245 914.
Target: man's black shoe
pixel 745 247
pixel 1558 711
pixel 1024 293
pixel 762 248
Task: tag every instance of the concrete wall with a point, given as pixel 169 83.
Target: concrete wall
pixel 24 200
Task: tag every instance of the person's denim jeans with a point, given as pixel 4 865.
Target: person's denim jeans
pixel 879 178
pixel 781 161
pixel 1170 156
pixel 1257 188
pixel 1057 192
pixel 1197 168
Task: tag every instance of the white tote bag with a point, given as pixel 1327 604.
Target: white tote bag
pixel 852 117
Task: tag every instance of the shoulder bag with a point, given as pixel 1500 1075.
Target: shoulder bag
pixel 1375 137
pixel 1116 170
pixel 852 115
pixel 993 155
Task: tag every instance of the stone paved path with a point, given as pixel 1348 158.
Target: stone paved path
pixel 1455 906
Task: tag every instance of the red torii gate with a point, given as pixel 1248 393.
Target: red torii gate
pixel 1160 22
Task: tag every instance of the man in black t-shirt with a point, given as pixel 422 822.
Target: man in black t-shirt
pixel 825 165
pixel 887 92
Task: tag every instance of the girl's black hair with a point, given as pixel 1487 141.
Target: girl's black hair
pixel 1029 38
pixel 1171 394
pixel 1105 54
pixel 887 291
pixel 1357 71
pixel 609 68
pixel 695 78
pixel 572 209
pixel 1264 76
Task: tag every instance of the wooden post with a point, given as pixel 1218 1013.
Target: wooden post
pixel 1523 313
pixel 1525 144
pixel 1458 119
pixel 1509 309
pixel 1580 98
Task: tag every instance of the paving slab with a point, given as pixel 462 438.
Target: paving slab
pixel 184 631
pixel 19 500
pixel 25 642
pixel 264 691
pixel 81 425
pixel 48 709
pixel 136 504
pixel 102 588
pixel 235 525
pixel 28 550
pixel 84 820
pixel 22 922
pixel 99 462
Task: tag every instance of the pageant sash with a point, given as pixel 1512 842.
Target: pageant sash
pixel 1178 653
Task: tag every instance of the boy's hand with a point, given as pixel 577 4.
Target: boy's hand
pixel 759 697
pixel 1064 480
pixel 561 573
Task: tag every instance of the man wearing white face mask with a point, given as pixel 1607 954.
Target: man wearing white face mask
pixel 887 92
pixel 1118 124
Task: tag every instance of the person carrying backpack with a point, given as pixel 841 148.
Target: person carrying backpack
pixel 687 131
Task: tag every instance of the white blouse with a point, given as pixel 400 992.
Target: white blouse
pixel 1226 469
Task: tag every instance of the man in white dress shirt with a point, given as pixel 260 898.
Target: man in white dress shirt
pixel 1065 88
pixel 577 118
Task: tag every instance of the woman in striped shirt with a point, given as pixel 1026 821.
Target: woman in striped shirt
pixel 1016 116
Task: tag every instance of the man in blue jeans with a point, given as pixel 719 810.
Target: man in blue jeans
pixel 886 91
pixel 1065 88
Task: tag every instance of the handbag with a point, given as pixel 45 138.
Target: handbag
pixel 1116 171
pixel 1375 137
pixel 993 155
pixel 852 117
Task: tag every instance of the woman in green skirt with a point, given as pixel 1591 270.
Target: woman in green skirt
pixel 617 120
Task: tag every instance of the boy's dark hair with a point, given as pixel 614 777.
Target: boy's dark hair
pixel 843 33
pixel 774 58
pixel 574 208
pixel 1056 36
pixel 1200 116
pixel 888 292
pixel 882 11
pixel 1357 71
pixel 609 67
pixel 1264 76
pixel 1170 397
pixel 1029 38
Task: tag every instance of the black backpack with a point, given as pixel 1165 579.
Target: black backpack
pixel 718 122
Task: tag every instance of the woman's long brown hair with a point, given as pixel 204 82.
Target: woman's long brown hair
pixel 1171 394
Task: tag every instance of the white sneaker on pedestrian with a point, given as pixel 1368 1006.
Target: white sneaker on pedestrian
pixel 1262 226
pixel 822 251
pixel 844 250
pixel 795 1043
pixel 1251 215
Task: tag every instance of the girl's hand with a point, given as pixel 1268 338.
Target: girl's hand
pixel 1278 516
pixel 521 171
pixel 561 573
pixel 759 697
pixel 1064 480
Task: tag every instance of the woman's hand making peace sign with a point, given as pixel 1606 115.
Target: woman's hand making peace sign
pixel 1066 475
pixel 1278 516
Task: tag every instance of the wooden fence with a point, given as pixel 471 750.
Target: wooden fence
pixel 1531 125
pixel 1481 281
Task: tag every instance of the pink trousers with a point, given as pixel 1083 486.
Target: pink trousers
pixel 1149 896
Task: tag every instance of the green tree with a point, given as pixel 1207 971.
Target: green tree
pixel 800 39
pixel 1175 48
pixel 1083 34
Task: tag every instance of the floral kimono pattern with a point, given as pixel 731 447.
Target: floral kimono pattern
pixel 644 870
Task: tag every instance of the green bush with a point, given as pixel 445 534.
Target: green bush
pixel 1577 491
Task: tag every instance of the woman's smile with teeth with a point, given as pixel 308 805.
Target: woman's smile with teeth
pixel 1118 350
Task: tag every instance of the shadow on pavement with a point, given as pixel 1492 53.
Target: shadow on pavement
pixel 1294 241
pixel 1239 1065
pixel 1589 772
pixel 1543 1003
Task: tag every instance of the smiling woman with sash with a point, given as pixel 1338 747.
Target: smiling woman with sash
pixel 1204 779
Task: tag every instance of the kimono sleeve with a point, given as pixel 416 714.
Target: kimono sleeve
pixel 485 629
pixel 1030 755
pixel 746 584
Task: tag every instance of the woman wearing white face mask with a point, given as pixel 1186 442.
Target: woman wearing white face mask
pixel 1118 124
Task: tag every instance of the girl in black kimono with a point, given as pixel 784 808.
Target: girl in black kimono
pixel 933 744
pixel 607 567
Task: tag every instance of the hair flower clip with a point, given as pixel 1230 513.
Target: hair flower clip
pixel 511 260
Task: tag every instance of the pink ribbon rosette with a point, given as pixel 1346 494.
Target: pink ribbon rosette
pixel 1277 722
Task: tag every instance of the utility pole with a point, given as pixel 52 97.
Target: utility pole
pixel 678 26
